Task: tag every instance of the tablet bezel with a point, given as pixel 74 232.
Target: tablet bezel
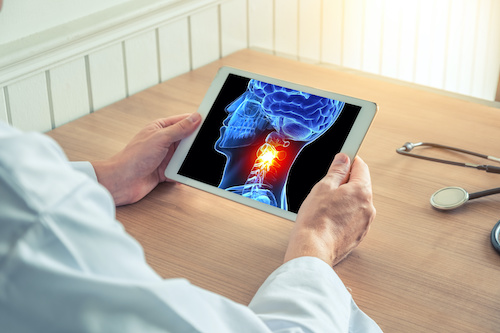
pixel 351 145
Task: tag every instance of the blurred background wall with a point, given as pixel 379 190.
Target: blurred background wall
pixel 62 59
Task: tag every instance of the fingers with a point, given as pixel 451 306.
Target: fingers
pixel 336 215
pixel 360 172
pixel 178 127
pixel 338 173
pixel 166 122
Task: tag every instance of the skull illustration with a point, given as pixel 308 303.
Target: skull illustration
pixel 291 114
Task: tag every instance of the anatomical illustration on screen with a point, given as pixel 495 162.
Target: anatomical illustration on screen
pixel 266 142
pixel 265 130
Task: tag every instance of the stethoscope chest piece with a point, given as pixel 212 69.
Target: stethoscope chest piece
pixel 452 197
pixel 495 237
pixel 449 198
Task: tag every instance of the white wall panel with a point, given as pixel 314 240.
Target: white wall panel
pixel 424 42
pixel 491 78
pixel 440 17
pixel 310 30
pixel 3 107
pixel 481 49
pixel 447 44
pixel 107 76
pixel 454 44
pixel 261 24
pixel 407 41
pixel 233 17
pixel 468 34
pixel 372 32
pixel 69 91
pixel 22 18
pixel 174 49
pixel 353 34
pixel 29 104
pixel 141 62
pixel 332 33
pixel 391 35
pixel 286 27
pixel 205 43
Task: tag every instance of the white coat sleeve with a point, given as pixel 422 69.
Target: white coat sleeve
pixel 306 295
pixel 84 167
pixel 67 265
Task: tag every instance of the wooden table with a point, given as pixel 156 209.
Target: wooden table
pixel 418 270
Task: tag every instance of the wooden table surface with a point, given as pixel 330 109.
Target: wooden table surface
pixel 418 270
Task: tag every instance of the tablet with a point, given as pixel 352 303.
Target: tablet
pixel 264 142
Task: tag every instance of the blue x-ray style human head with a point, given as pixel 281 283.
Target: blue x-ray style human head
pixel 265 130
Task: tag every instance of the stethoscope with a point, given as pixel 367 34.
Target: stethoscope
pixel 453 197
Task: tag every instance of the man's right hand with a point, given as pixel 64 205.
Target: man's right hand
pixel 336 215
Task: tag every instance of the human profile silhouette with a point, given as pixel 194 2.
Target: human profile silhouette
pixel 264 132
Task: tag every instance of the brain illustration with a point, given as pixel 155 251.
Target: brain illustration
pixel 296 115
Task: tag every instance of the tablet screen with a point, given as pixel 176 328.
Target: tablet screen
pixel 268 143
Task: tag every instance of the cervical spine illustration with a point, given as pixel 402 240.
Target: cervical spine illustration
pixel 258 186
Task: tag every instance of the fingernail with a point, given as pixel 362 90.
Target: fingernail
pixel 340 159
pixel 194 117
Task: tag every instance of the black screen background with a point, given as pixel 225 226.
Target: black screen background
pixel 205 164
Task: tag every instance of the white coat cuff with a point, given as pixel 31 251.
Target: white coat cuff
pixel 85 167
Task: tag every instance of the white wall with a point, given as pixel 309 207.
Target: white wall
pixel 62 73
pixel 62 70
pixel 452 45
pixel 23 18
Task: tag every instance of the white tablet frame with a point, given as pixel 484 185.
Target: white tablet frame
pixel 350 147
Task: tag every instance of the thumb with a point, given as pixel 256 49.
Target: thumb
pixel 182 128
pixel 338 172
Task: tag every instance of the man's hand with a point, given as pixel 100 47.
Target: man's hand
pixel 140 166
pixel 336 215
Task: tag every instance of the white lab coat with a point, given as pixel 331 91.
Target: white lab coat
pixel 67 265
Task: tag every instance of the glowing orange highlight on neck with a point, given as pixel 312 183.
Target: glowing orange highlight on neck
pixel 267 156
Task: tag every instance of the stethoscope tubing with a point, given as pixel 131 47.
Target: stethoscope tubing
pixel 408 147
pixel 484 193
